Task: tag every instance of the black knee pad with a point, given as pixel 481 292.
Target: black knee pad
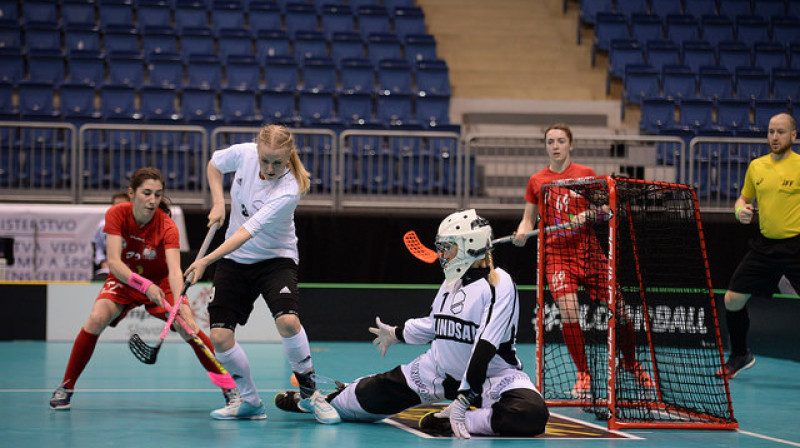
pixel 520 412
pixel 386 393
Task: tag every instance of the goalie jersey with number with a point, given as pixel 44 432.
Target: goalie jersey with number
pixel 463 313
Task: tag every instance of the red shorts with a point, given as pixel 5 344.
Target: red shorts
pixel 130 298
pixel 565 274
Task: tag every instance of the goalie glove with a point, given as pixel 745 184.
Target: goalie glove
pixel 457 413
pixel 384 336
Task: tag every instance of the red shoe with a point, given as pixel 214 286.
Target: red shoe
pixel 583 386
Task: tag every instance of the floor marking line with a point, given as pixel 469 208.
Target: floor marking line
pixel 774 439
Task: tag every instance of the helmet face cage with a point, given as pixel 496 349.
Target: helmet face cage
pixel 463 238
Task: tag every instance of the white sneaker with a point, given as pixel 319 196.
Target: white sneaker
pixel 323 411
pixel 240 409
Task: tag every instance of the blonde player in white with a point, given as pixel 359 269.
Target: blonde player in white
pixel 472 360
pixel 260 258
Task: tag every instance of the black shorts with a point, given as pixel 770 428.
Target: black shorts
pixel 238 285
pixel 762 267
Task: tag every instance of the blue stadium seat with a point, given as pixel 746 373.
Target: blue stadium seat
pixel 657 114
pixel 243 73
pixel 623 52
pixel 81 38
pixel 383 46
pixel 153 13
pixel 733 8
pixel 355 108
pixel 392 5
pixel 731 178
pixel 630 7
pixel 239 107
pixel 372 19
pixel 36 12
pixel 9 10
pixel 12 66
pixel 335 19
pixel 394 110
pixel 733 115
pixel 87 68
pixel 786 30
pixel 36 101
pixel 433 110
pixel 733 55
pixel 752 84
pixel 394 77
pixel 609 26
pixel 765 109
pixel 660 53
pixel 121 38
pixel 272 43
pixel 159 39
pixel 309 44
pixel 357 75
pixel 197 105
pixel 281 73
pixel 433 78
pixel 264 15
pixel 158 104
pixel 76 12
pixel 7 109
pixel 10 35
pixel 234 41
pixel 717 29
pixel 125 69
pixel 316 108
pixel 377 171
pixel 117 103
pixel 640 82
pixel 204 71
pixel 43 37
pixel 794 56
pixel 646 27
pixel 190 14
pixel 299 17
pixel 172 158
pixel 420 47
pixel 699 8
pixel 769 55
pixel 715 83
pixel 46 66
pixel 346 45
pixel 751 29
pixel 696 115
pixel 165 70
pixel 226 14
pixel 278 107
pixel 319 74
pixel 409 20
pixel 682 28
pixel 769 8
pixel 77 102
pixel 678 82
pixel 786 86
pixel 588 12
pixel 115 12
pixel 697 54
pixel 664 8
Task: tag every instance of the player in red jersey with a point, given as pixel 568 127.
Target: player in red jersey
pixel 575 258
pixel 143 249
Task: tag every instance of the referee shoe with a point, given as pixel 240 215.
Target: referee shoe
pixel 735 364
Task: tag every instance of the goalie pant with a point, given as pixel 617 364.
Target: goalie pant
pixel 509 406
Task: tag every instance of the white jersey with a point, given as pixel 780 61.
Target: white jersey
pixel 265 208
pixel 463 315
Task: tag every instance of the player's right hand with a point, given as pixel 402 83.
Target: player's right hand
pixel 216 215
pixel 384 336
pixel 746 214
pixel 156 295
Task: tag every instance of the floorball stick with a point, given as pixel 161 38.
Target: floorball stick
pixel 140 349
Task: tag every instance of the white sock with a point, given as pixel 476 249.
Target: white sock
pixel 298 352
pixel 479 421
pixel 236 362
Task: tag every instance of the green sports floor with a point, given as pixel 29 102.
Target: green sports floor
pixel 120 402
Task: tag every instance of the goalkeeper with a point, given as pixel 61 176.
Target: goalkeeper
pixel 472 359
pixel 774 181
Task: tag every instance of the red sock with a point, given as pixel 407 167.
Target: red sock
pixel 208 364
pixel 573 336
pixel 82 351
pixel 626 342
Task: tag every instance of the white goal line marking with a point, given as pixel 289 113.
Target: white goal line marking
pixel 773 439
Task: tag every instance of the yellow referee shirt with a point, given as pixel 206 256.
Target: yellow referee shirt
pixel 776 187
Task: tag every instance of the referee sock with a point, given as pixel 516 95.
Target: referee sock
pixel 236 363
pixel 298 352
pixel 82 351
pixel 738 326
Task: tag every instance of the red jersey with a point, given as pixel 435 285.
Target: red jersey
pixel 143 250
pixel 560 204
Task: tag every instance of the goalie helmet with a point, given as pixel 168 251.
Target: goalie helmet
pixel 463 237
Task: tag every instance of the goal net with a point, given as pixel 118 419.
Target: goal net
pixel 634 335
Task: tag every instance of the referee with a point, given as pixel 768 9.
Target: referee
pixel 774 181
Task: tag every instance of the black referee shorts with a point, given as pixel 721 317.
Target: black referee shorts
pixel 238 285
pixel 762 267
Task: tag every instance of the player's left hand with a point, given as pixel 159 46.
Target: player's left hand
pixel 384 336
pixel 457 413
